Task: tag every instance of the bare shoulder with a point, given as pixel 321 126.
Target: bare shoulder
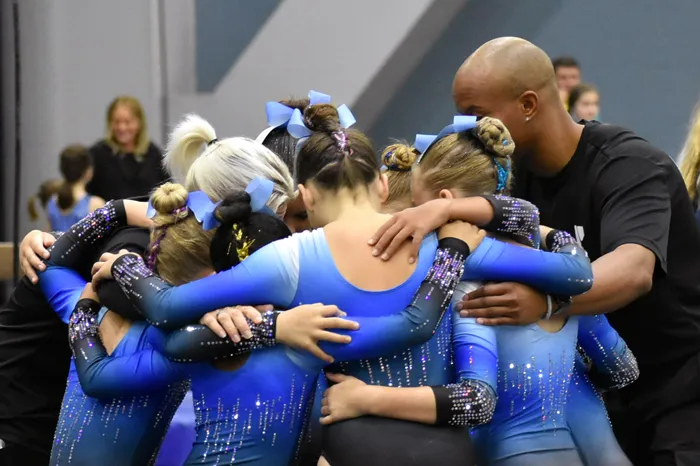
pixel 95 203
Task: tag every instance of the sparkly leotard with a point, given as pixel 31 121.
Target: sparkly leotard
pixel 532 370
pixel 614 366
pixel 301 270
pixel 113 425
pixel 228 439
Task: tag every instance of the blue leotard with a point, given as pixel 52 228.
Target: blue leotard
pixel 532 371
pixel 118 427
pixel 615 367
pixel 62 221
pixel 259 414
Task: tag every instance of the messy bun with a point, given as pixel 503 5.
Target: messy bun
pixel 242 231
pixel 474 162
pixel 224 165
pixel 399 157
pixel 495 137
pixel 169 201
pixel 334 157
pixel 187 142
pixel 322 117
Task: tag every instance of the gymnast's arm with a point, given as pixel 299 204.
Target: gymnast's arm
pixel 566 271
pixel 104 376
pixel 614 365
pixel 93 231
pixel 376 336
pixel 470 401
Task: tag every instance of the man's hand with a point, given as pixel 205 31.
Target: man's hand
pixel 31 252
pixel 231 321
pixel 412 223
pixel 504 304
pixel 344 400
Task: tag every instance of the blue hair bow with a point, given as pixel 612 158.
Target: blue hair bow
pixel 259 189
pixel 201 206
pixel 299 130
pixel 460 123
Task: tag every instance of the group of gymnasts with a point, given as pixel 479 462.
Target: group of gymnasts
pixel 384 371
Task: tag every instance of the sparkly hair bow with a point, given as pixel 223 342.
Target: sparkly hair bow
pixel 296 126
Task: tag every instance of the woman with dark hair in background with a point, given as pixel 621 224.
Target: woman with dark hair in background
pixel 584 102
pixel 72 202
pixel 126 162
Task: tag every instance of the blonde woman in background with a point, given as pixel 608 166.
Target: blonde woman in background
pixel 127 163
pixel 690 161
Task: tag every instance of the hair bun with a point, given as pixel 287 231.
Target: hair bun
pixel 168 198
pixel 495 137
pixel 400 157
pixel 234 208
pixel 322 118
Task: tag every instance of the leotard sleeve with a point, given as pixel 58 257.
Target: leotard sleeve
pixel 614 365
pixel 103 376
pixel 566 271
pixel 515 218
pixel 377 336
pixel 263 278
pixel 62 288
pixel 87 235
pixel 471 400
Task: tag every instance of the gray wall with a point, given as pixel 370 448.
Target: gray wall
pixel 642 55
pixel 224 30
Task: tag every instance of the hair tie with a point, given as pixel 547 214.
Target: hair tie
pixel 212 142
pixel 155 247
pixel 502 175
pixel 341 139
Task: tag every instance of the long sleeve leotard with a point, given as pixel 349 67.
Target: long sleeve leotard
pixel 110 431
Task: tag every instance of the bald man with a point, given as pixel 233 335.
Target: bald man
pixel 626 202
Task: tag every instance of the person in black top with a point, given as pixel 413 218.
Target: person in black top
pixel 626 202
pixel 126 163
pixel 34 360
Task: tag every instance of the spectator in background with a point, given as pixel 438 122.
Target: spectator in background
pixel 72 202
pixel 568 74
pixel 690 161
pixel 46 191
pixel 584 102
pixel 126 162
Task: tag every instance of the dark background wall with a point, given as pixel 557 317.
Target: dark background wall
pixel 642 55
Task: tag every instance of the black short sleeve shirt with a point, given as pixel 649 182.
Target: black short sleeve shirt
pixel 619 189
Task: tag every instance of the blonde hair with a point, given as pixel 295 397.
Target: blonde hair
pixel 690 156
pixel 142 140
pixel 399 160
pixel 196 158
pixel 179 245
pixel 467 161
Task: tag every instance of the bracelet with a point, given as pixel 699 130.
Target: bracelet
pixel 550 308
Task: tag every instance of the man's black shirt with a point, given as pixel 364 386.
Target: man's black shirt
pixel 619 189
pixel 34 356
